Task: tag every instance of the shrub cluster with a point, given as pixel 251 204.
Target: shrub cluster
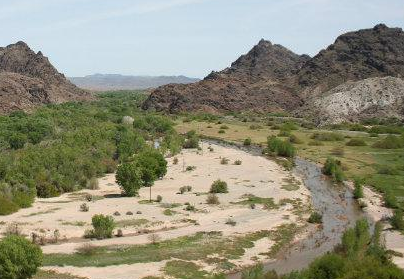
pixel 332 167
pixel 281 148
pixel 218 186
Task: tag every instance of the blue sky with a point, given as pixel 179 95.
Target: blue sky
pixel 172 37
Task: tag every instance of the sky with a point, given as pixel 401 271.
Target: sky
pixel 180 37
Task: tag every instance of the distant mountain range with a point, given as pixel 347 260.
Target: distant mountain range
pixel 344 82
pixel 104 82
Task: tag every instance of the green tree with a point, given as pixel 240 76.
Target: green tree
pixel 129 178
pixel 19 258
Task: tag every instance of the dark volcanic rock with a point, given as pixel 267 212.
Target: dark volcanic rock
pixel 28 79
pixel 271 78
pixel 254 82
pixel 354 56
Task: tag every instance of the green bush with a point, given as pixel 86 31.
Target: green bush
pixel 212 199
pixel 247 142
pixel 19 258
pixel 390 142
pixel 103 226
pixel 327 137
pixel 7 207
pixel 281 148
pixel 17 140
pixel 356 142
pixel 358 191
pixel 332 167
pixel 390 200
pixel 192 140
pixel 315 218
pixel 397 221
pixel 294 139
pixel 218 186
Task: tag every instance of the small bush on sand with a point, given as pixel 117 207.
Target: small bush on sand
pixel 154 238
pixel 212 199
pixel 103 226
pixel 190 168
pixel 247 142
pixel 93 184
pixel 175 161
pixel 218 186
pixel 224 127
pixel 224 161
pixel 222 132
pixel 84 207
pixel 281 148
pixel 238 162
pixel 159 198
pixel 230 222
pixel 190 207
pixel 315 218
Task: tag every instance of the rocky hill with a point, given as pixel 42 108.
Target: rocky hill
pixel 254 82
pixel 356 100
pixel 271 78
pixel 28 79
pixel 104 82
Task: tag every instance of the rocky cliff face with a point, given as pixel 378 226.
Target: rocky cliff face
pixel 366 53
pixel 28 79
pixel 272 78
pixel 254 82
pixel 357 100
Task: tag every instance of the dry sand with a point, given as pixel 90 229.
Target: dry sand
pixel 256 175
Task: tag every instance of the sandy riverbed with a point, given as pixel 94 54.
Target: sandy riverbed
pixel 256 175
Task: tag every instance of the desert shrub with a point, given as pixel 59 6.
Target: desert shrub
pixel 159 198
pixel 224 161
pixel 397 221
pixel 84 207
pixel 332 167
pixel 390 200
pixel 190 168
pixel 87 249
pixel 390 142
pixel 175 161
pixel 190 207
pixel 356 142
pixel 188 188
pixel 7 207
pixel 89 197
pixel 182 190
pixel 315 143
pixel 212 199
pixel 218 186
pixel 295 139
pixel 315 218
pixel 116 213
pixel 192 140
pixel 288 126
pixel 19 258
pixel 255 127
pixel 211 149
pixel 284 133
pixel 238 162
pixel 224 127
pixel 327 136
pixel 247 142
pixel 230 222
pixel 281 148
pixel 93 184
pixel 222 132
pixel 103 226
pixel 358 191
pixel 154 238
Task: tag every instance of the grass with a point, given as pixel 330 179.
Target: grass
pixel 357 161
pixel 53 275
pixel 76 223
pixel 251 199
pixel 169 212
pixel 291 184
pixel 183 270
pixel 131 223
pixel 195 247
pixel 283 236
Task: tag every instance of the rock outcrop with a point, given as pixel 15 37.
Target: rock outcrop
pixel 256 81
pixel 28 79
pixel 271 78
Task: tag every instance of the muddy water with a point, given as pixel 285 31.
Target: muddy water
pixel 337 206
